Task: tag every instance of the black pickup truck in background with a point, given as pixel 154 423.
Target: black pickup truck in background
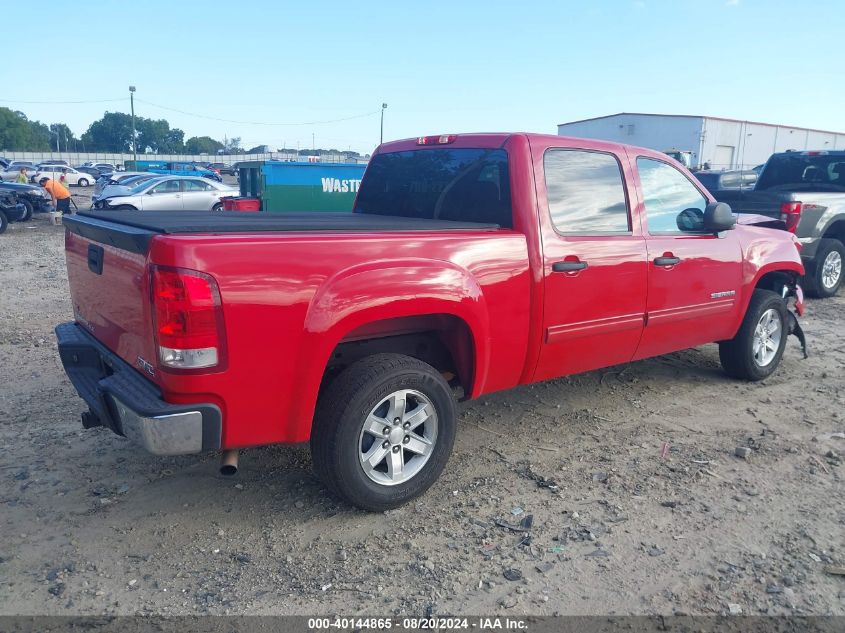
pixel 807 191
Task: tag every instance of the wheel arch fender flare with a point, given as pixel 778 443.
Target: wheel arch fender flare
pixel 377 291
pixel 788 267
pixel 828 222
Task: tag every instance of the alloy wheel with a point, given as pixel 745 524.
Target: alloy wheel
pixel 767 337
pixel 398 437
pixel 831 269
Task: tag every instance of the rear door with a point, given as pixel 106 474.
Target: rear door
pixel 198 195
pixel 594 259
pixel 693 276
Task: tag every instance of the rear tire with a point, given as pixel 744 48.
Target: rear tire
pixel 124 207
pixel 755 352
pixel 826 277
pixel 217 207
pixel 4 222
pixel 351 452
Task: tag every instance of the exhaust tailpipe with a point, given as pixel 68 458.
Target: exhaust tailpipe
pixel 229 463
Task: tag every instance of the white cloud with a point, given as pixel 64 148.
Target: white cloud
pixel 639 4
pixel 731 3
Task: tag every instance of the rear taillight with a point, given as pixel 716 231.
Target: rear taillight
pixel 790 213
pixel 188 319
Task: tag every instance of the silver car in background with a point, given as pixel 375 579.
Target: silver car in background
pixel 171 193
pixel 116 179
pixel 10 174
pixel 125 185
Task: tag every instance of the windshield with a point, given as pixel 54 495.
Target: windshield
pixel 469 185
pixel 821 172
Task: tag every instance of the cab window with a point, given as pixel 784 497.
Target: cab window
pixel 585 192
pixel 672 203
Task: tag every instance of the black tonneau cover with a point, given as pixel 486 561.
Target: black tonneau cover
pixel 133 230
pixel 245 222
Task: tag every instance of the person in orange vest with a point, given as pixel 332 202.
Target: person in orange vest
pixel 59 193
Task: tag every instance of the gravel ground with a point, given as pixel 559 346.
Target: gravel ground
pixel 637 502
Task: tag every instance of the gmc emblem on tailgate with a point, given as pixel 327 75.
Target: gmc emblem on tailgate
pixel 147 367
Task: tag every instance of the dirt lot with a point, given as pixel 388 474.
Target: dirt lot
pixel 92 525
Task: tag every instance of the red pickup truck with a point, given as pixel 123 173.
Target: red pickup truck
pixel 471 264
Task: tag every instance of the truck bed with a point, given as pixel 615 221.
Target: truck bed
pixel 133 230
pixel 173 222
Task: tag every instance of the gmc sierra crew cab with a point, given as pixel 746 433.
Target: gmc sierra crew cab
pixel 807 191
pixel 471 264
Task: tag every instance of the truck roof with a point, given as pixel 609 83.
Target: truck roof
pixel 499 139
pixel 811 152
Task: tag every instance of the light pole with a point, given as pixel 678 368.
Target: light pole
pixel 381 135
pixel 134 137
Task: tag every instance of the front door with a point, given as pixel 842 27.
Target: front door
pixel 693 276
pixel 165 196
pixel 594 263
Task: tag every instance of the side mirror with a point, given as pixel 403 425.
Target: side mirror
pixel 718 217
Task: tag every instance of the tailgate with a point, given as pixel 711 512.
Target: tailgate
pixel 107 274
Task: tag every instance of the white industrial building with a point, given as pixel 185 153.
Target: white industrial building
pixel 722 143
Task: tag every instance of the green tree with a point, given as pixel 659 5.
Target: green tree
pixel 156 136
pixel 66 140
pixel 17 133
pixel 232 145
pixel 112 133
pixel 202 145
pixel 174 142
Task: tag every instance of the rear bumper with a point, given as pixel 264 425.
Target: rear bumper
pixel 120 398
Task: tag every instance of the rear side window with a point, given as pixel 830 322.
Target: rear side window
pixel 462 184
pixel 802 171
pixel 585 191
pixel 196 185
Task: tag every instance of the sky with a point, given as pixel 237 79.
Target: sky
pixel 284 73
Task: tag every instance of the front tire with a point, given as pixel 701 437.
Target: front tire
pixel 27 216
pixel 755 352
pixel 826 277
pixel 383 431
pixel 82 182
pixel 4 223
pixel 217 207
